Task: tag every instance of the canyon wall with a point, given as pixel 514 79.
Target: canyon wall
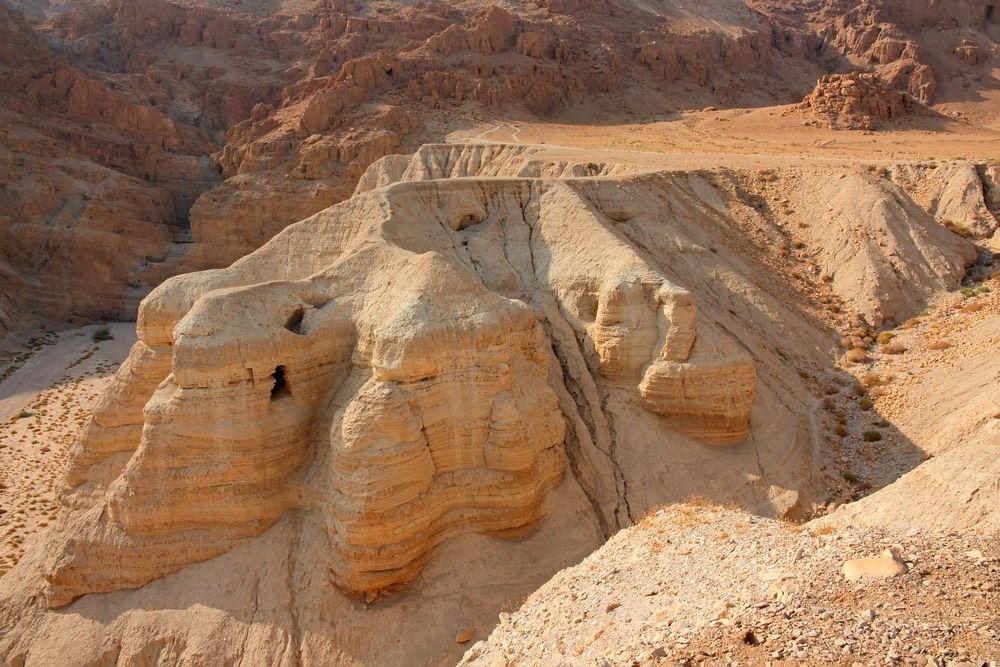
pixel 151 138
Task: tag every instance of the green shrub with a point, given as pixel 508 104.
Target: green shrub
pixel 850 477
pixel 967 292
pixel 983 289
pixel 24 414
pixel 884 337
pixel 872 436
pixel 101 335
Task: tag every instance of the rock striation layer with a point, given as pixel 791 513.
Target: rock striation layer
pixel 480 345
pixel 396 377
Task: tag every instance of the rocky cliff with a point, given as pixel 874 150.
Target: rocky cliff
pixel 448 358
pixel 149 105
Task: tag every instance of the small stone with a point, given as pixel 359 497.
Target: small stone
pixel 466 635
pixel 883 566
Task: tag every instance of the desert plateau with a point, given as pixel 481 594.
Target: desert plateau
pixel 504 333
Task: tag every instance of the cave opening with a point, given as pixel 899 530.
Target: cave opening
pixel 280 387
pixel 294 322
pixel 989 13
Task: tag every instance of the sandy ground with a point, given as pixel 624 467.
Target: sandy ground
pixel 750 138
pixel 44 405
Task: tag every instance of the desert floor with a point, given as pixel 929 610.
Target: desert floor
pixel 44 404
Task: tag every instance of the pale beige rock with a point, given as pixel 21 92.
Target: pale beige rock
pixel 427 364
pixel 884 566
pixel 405 395
pixel 960 195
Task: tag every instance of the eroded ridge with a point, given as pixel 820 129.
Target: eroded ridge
pixel 410 364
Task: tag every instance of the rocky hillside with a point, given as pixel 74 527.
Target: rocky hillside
pixel 549 355
pixel 221 124
pixel 906 575
pixel 93 183
pixel 724 378
pixel 703 585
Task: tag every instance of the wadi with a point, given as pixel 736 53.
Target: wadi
pixel 555 332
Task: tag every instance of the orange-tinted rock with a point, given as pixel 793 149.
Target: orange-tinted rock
pixel 855 101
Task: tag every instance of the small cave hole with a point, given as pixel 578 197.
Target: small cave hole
pixel 467 220
pixel 280 387
pixel 989 14
pixel 388 72
pixel 294 323
pixel 751 639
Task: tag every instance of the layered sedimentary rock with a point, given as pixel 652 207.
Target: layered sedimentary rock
pixel 150 104
pixel 856 101
pixel 396 377
pixel 96 186
pixel 471 350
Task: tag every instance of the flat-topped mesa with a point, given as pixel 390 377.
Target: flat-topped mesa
pixel 387 364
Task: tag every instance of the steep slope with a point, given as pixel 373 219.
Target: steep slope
pixel 93 185
pixel 941 392
pixel 695 584
pixel 294 100
pixel 439 358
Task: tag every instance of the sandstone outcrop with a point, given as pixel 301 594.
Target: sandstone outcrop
pixel 479 345
pixel 408 379
pixel 855 101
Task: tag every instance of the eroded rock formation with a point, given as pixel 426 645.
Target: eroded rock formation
pixel 856 101
pixel 479 345
pixel 396 377
pixel 149 104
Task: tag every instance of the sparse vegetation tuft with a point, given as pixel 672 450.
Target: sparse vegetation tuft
pixel 101 335
pixel 884 337
pixel 856 356
pixel 872 435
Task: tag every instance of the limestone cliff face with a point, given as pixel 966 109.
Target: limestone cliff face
pixel 482 344
pixel 387 364
pixel 96 186
pixel 149 105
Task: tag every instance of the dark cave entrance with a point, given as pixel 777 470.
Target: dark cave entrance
pixel 280 388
